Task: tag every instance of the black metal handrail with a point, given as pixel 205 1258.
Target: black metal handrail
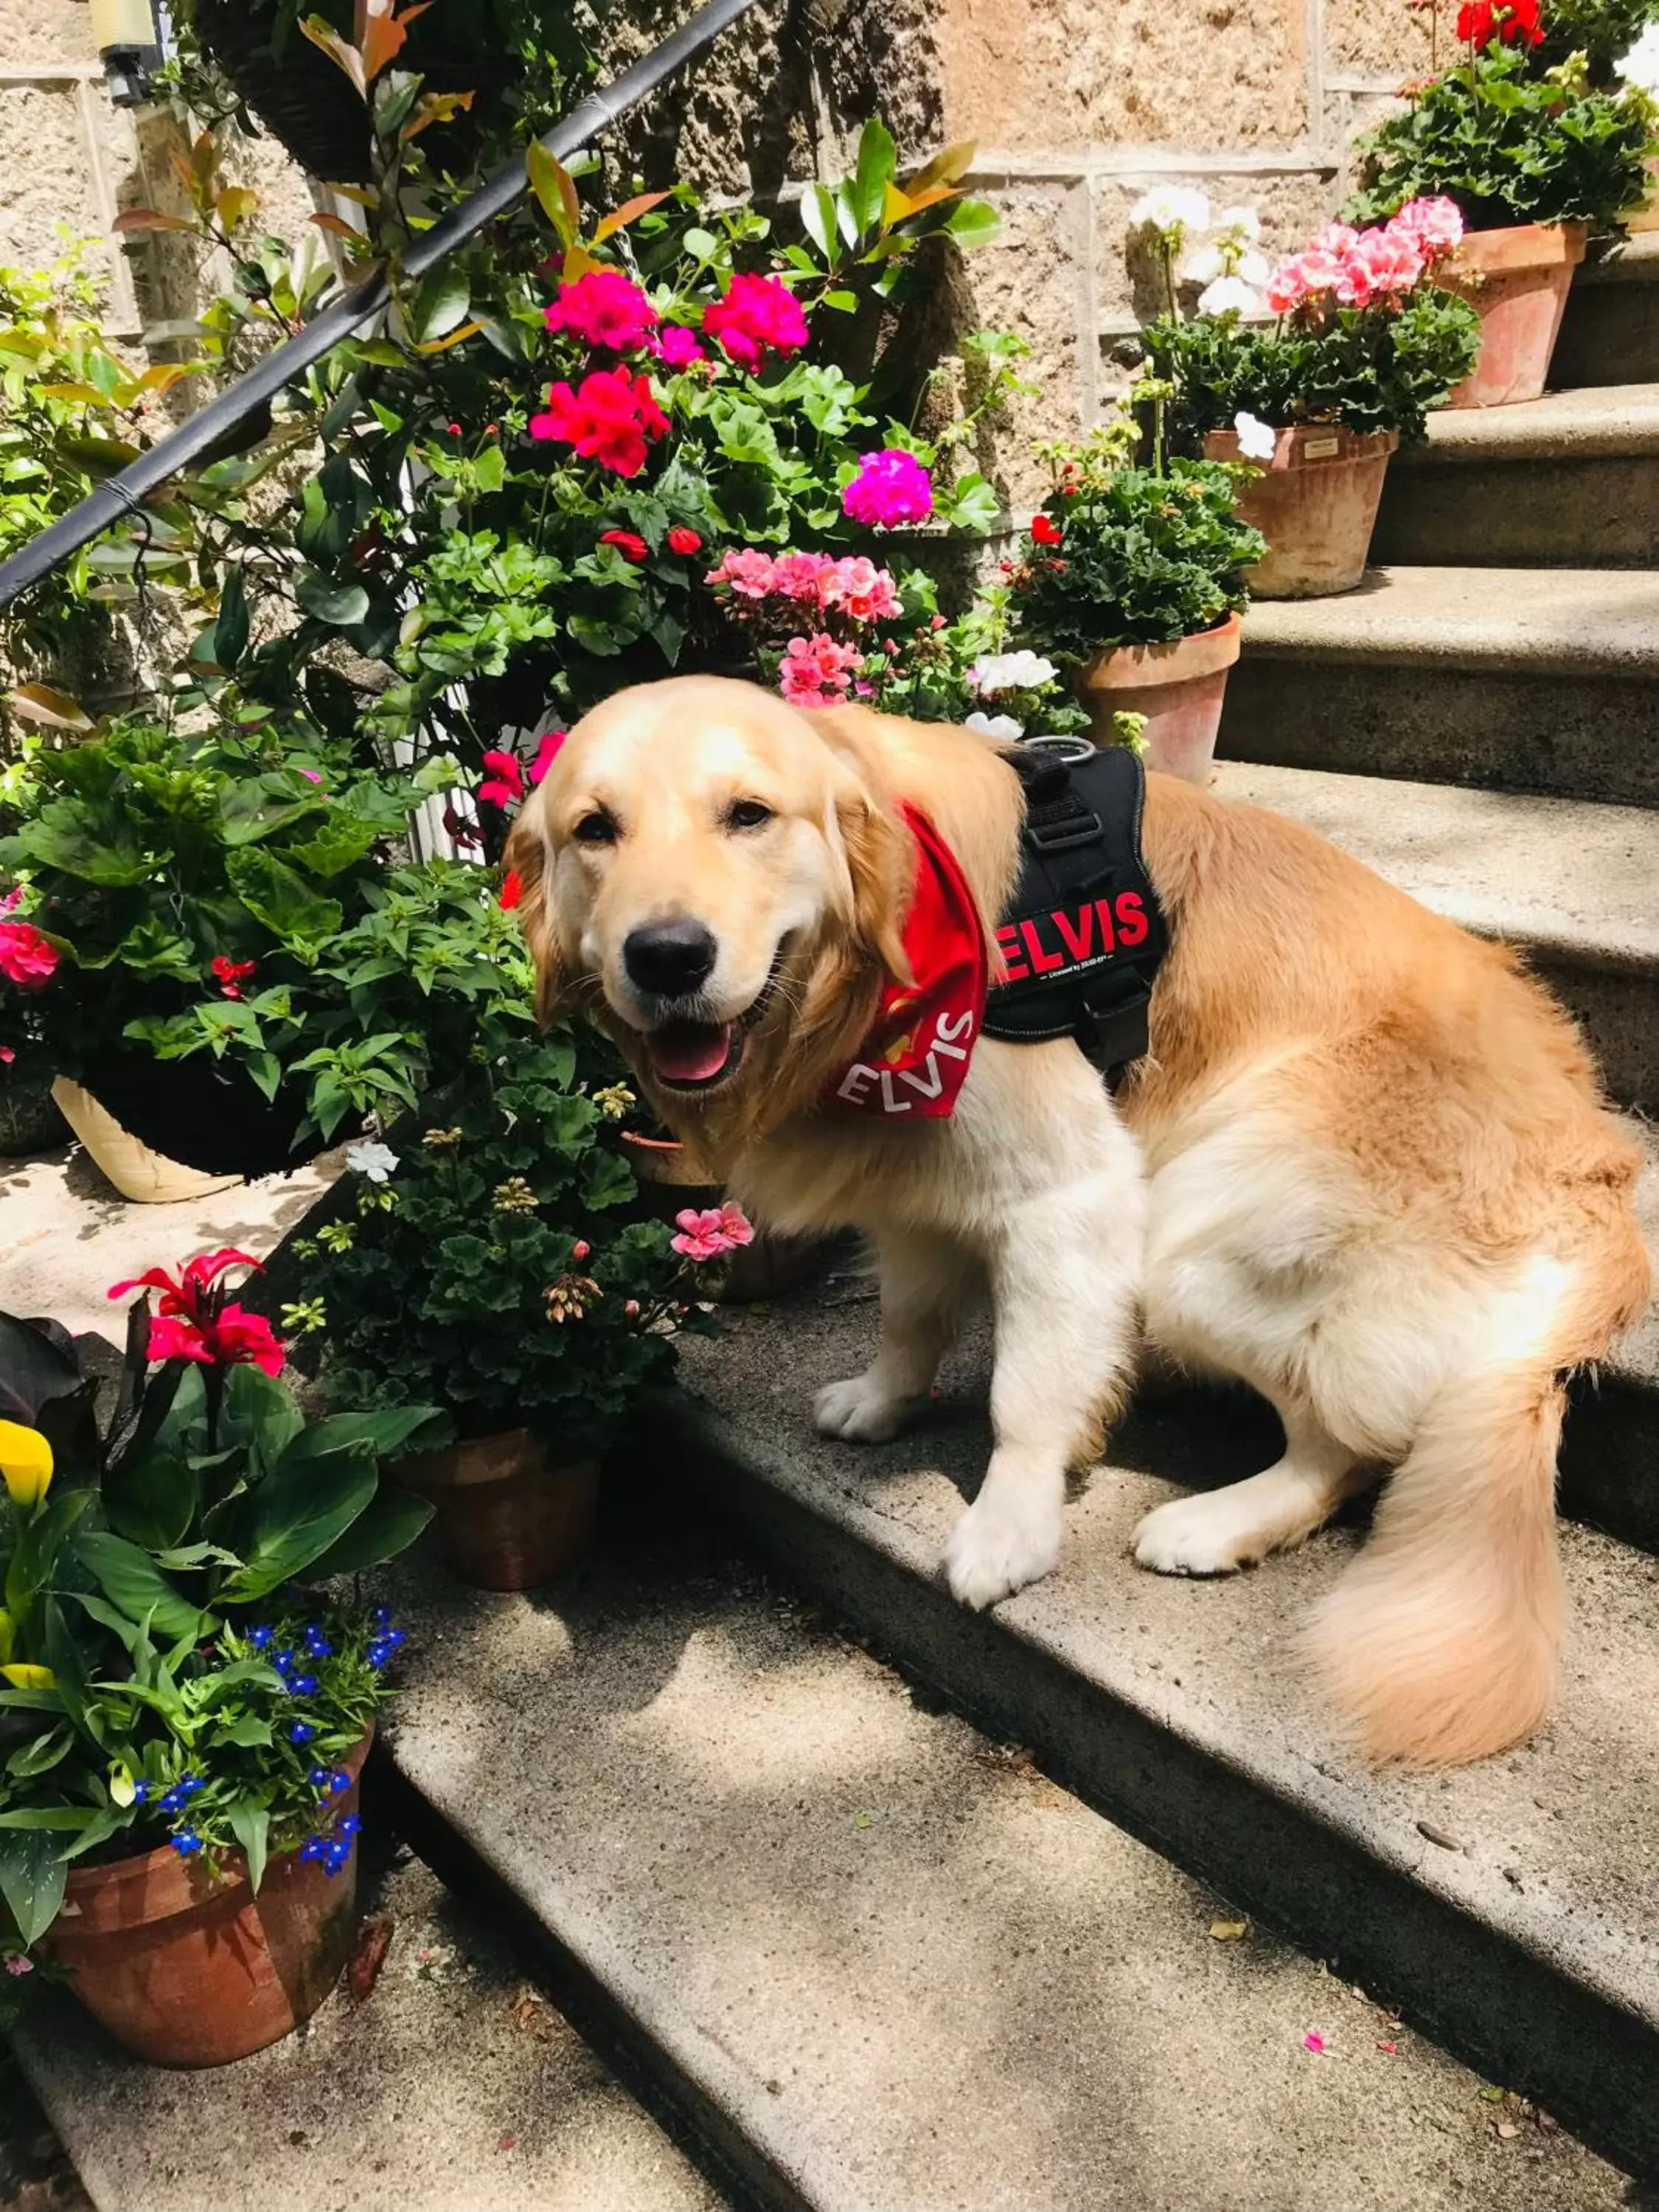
pixel 123 493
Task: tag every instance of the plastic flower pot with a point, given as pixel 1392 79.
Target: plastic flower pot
pixel 1179 688
pixel 505 1520
pixel 1315 502
pixel 1517 281
pixel 147 1177
pixel 672 1178
pixel 186 1967
pixel 199 1113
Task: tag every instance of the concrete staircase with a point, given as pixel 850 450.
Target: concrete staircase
pixel 1028 1911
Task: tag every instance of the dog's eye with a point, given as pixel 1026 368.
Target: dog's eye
pixel 748 814
pixel 597 829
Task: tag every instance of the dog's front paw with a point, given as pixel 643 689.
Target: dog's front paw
pixel 859 1412
pixel 1202 1536
pixel 998 1546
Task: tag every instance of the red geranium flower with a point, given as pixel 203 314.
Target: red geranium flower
pixel 755 316
pixel 512 891
pixel 682 540
pixel 230 974
pixel 626 542
pixel 604 308
pixel 1044 531
pixel 612 419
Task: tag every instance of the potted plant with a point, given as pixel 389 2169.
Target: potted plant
pixel 1535 158
pixel 492 1266
pixel 193 924
pixel 1132 580
pixel 1364 343
pixel 184 1725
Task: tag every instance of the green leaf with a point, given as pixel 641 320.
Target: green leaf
pixel 442 303
pixel 876 161
pixel 231 629
pixel 61 1819
pixel 130 1579
pixel 275 894
pixel 40 1756
pixel 251 1824
pixel 490 469
pixel 817 214
pixel 40 1540
pixel 259 1410
pixel 973 223
pixel 247 1732
pixel 305 1505
pixel 553 188
pixel 339 605
pixel 31 1879
pixel 389 1525
pixel 153 1504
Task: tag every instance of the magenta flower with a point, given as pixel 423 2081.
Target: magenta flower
pixel 504 785
pixel 604 308
pixel 27 959
pixel 755 317
pixel 711 1234
pixel 675 347
pixel 891 488
pixel 546 753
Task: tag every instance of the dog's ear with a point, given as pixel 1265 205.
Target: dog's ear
pixel 881 863
pixel 526 857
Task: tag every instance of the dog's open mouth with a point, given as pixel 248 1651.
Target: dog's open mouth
pixel 700 1055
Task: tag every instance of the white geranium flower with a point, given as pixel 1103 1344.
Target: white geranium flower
pixel 1011 671
pixel 1257 441
pixel 1229 295
pixel 1254 269
pixel 1177 209
pixel 1640 66
pixel 996 725
pixel 377 1162
pixel 1203 265
pixel 1240 222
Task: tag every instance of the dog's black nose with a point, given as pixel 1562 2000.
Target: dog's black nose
pixel 670 959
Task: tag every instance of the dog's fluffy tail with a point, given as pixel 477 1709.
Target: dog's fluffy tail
pixel 1440 1643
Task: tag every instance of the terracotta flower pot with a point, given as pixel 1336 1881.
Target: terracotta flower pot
pixel 1179 689
pixel 673 1178
pixel 1315 502
pixel 507 1521
pixel 1517 281
pixel 189 1968
pixel 146 1177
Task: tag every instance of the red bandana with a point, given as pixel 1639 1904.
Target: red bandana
pixel 915 1058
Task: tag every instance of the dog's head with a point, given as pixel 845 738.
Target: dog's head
pixel 724 877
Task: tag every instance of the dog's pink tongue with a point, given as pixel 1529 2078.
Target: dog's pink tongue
pixel 690 1051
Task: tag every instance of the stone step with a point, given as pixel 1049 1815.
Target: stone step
pixel 1545 680
pixel 1571 884
pixel 1610 332
pixel 1507 1908
pixel 887 1966
pixel 1571 480
pixel 453 2086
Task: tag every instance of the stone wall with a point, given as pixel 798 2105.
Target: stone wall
pixel 1076 107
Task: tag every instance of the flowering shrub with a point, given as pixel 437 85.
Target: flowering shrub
pixel 495 1265
pixel 1507 139
pixel 162 1679
pixel 1363 338
pixel 1129 555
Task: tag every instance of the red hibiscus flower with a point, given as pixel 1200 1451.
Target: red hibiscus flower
pixel 231 973
pixel 627 542
pixel 196 1322
pixel 612 419
pixel 682 540
pixel 1044 531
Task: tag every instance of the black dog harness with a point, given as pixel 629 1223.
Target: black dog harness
pixel 1082 938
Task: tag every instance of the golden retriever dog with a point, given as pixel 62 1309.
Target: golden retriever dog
pixel 1364 1166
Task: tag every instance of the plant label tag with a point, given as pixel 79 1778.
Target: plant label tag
pixel 1320 449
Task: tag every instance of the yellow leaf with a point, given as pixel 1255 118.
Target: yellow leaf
pixel 337 226
pixel 948 167
pixel 321 34
pixel 1228 1931
pixel 895 204
pixel 577 262
pixel 629 211
pixel 452 338
pixel 122 1787
pixel 363 195
pixel 85 395
pixel 236 205
pixel 29 1678
pixel 38 703
pixel 26 1463
pixel 933 196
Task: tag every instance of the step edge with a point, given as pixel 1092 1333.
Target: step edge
pixel 1471 655
pixel 740 1488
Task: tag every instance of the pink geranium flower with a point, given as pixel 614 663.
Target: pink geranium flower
pixel 816 671
pixel 27 959
pixel 1436 224
pixel 752 575
pixel 604 308
pixel 676 348
pixel 891 488
pixel 754 317
pixel 711 1234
